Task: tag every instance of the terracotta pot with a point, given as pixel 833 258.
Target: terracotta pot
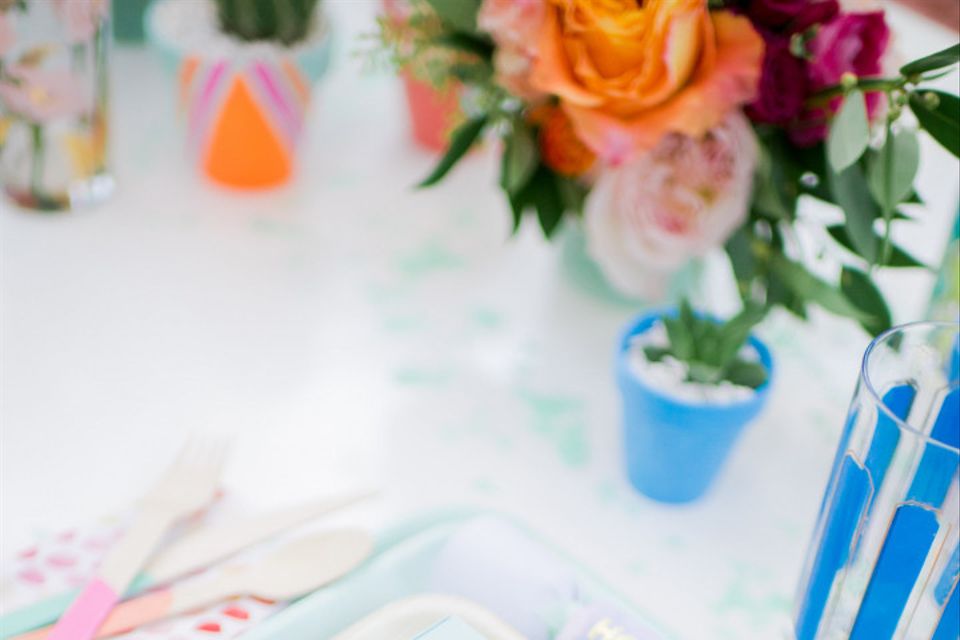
pixel 434 114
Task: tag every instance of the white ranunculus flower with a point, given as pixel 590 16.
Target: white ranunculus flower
pixel 647 218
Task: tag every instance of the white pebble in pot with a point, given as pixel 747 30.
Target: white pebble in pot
pixel 494 564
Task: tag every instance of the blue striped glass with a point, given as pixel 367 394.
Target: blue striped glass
pixel 883 559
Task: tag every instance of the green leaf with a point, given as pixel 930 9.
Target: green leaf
pixel 779 294
pixel 686 315
pixel 461 141
pixel 466 42
pixel 706 336
pixel 912 198
pixel 938 60
pixel 936 75
pixel 849 132
pixel 543 194
pixel 898 256
pixel 655 354
pixel 517 207
pixel 519 203
pixel 734 332
pixel 703 373
pixel 747 374
pixel 573 192
pixel 520 159
pixel 808 287
pixel 471 73
pixel 766 192
pixel 459 14
pixel 681 342
pixel 742 259
pixel 941 121
pixel 890 173
pixel 851 193
pixel 776 184
pixel 863 293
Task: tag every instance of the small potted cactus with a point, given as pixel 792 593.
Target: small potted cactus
pixel 689 384
pixel 245 69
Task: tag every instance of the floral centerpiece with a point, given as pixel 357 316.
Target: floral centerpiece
pixel 677 127
pixel 53 102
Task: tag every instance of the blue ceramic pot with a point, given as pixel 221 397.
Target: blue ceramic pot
pixel 675 448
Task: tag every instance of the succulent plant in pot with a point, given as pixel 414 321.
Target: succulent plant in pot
pixel 709 353
pixel 245 70
pixel 690 384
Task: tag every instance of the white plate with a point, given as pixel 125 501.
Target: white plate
pixel 405 618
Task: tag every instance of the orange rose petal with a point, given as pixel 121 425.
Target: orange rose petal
pixel 683 53
pixel 615 50
pixel 732 81
pixel 739 56
pixel 560 148
pixel 610 137
pixel 682 50
pixel 551 73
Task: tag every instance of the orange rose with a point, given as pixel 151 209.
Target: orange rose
pixel 628 72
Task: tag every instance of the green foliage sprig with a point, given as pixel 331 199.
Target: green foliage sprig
pixel 868 174
pixel 440 43
pixel 285 21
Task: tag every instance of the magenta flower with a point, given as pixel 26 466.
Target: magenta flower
pixel 775 13
pixel 814 13
pixel 789 16
pixel 849 43
pixel 783 83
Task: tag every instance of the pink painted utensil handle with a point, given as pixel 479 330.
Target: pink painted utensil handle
pixel 87 612
pixel 125 617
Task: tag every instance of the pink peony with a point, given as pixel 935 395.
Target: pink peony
pixel 41 96
pixel 515 26
pixel 82 17
pixel 6 34
pixel 647 218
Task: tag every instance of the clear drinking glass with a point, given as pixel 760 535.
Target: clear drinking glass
pixel 54 102
pixel 883 562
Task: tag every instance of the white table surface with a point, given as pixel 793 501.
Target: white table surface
pixel 350 331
